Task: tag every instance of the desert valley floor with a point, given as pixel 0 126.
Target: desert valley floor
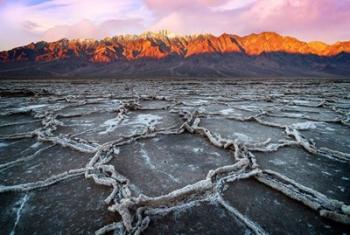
pixel 175 157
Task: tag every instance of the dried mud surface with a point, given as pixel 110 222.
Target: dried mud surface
pixel 175 157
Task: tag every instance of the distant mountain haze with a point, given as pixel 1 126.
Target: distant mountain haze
pixel 165 54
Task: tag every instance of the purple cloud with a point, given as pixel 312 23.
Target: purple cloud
pixel 325 20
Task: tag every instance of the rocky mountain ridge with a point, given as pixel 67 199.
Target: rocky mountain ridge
pixel 264 53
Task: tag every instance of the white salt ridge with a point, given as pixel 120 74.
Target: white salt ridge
pixel 305 125
pixel 31 107
pixel 199 101
pixel 251 108
pixel 146 120
pixel 278 162
pixel 192 167
pixel 227 111
pixel 37 144
pixel 19 212
pixel 196 150
pixel 330 129
pixel 215 153
pixel 202 109
pixel 326 173
pixel 80 124
pixel 111 125
pixel 345 178
pixel 242 137
pixel 301 102
pixel 341 188
pixel 2 145
pixel 110 122
pixel 276 202
pixel 194 102
pixel 295 115
pixel 147 159
pixel 170 176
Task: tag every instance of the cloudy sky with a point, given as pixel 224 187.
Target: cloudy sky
pixel 25 21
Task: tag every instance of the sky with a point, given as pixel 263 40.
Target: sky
pixel 26 21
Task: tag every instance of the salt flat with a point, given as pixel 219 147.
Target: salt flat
pixel 175 156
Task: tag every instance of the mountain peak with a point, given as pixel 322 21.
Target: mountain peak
pixel 160 33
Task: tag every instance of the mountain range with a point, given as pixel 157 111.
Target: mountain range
pixel 163 54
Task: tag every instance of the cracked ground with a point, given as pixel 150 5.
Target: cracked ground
pixel 175 157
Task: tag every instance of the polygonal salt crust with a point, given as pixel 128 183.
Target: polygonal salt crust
pixel 199 218
pixel 165 163
pixel 155 104
pixel 10 204
pixel 80 124
pixel 276 213
pixel 160 165
pixel 88 108
pixel 75 206
pixel 19 118
pixel 232 112
pixel 11 150
pixel 19 128
pixel 282 120
pixel 133 123
pixel 322 174
pixel 20 104
pixel 247 132
pixel 310 113
pixel 51 161
pixel 256 105
pixel 159 119
pixel 330 135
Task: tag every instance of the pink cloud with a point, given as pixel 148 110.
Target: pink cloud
pixel 326 20
pixel 322 19
pixel 88 29
pixel 161 7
